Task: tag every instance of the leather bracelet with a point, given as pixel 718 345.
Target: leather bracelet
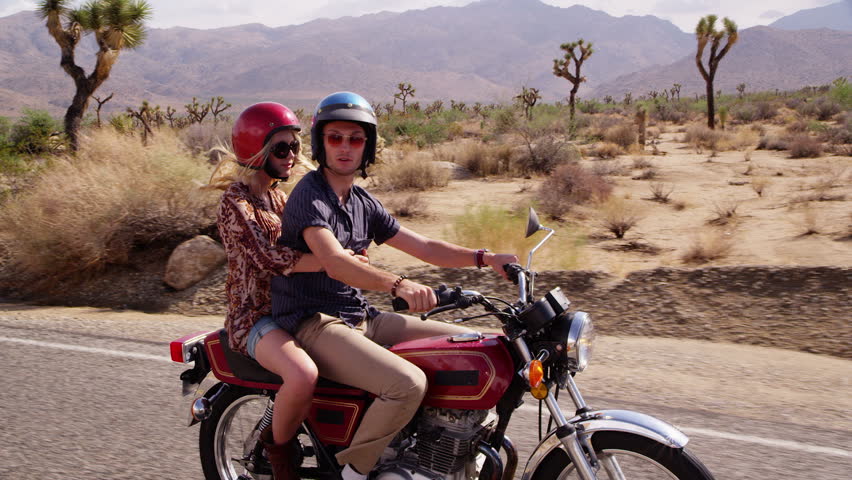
pixel 479 257
pixel 396 284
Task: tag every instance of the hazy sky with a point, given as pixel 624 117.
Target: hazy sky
pixel 219 13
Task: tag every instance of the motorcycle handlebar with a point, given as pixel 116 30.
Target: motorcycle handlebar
pixel 444 295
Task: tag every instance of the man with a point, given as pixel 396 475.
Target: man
pixel 340 330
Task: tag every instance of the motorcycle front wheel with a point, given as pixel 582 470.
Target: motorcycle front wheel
pixel 627 456
pixel 228 439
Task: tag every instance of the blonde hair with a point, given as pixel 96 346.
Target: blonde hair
pixel 229 170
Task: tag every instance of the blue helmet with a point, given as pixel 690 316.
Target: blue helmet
pixel 350 107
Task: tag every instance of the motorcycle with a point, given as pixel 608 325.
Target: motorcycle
pixel 476 383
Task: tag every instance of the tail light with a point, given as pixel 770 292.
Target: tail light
pixel 181 349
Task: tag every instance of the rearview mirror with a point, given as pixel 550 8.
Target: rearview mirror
pixel 533 224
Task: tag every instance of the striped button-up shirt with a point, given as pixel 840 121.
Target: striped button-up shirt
pixel 356 224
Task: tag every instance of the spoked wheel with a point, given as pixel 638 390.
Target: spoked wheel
pixel 627 456
pixel 228 440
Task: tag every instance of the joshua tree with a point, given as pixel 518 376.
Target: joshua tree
pixel 146 116
pixel 706 33
pixel 197 111
pixel 561 67
pixel 675 90
pixel 405 91
pixel 741 89
pixel 101 104
pixel 217 106
pixel 528 98
pixel 117 24
pixel 170 115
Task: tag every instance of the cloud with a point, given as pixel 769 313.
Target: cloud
pixel 675 7
pixel 770 14
pixel 8 7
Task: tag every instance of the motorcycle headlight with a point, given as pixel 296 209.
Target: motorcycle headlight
pixel 581 338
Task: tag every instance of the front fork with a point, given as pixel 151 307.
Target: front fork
pixel 574 442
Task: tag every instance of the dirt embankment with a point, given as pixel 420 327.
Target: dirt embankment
pixel 798 308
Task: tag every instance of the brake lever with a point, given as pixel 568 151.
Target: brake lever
pixel 462 302
pixel 435 311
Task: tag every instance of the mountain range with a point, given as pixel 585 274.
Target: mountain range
pixel 485 51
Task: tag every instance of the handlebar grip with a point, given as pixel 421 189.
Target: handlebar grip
pixel 442 293
pixel 513 270
pixel 399 304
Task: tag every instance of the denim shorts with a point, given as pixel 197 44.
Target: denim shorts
pixel 263 326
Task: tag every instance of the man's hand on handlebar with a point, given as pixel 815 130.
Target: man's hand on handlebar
pixel 420 298
pixel 497 260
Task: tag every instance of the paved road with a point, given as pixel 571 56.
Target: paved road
pixel 90 394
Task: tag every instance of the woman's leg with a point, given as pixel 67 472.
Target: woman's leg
pixel 278 352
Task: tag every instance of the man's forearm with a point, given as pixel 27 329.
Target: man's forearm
pixel 352 272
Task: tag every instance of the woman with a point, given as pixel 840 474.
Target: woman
pixel 266 146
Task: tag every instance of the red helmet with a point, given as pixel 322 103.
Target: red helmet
pixel 255 126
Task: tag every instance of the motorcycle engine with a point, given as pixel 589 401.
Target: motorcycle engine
pixel 444 445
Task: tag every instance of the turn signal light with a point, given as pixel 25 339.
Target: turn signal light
pixel 536 373
pixel 539 392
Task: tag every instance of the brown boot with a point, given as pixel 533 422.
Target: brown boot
pixel 280 456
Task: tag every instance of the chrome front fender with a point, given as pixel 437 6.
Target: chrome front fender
pixel 610 421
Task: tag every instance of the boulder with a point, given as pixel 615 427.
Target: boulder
pixel 192 261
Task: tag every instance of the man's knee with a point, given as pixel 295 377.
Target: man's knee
pixel 408 384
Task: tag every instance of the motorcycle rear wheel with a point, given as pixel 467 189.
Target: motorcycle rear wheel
pixel 230 435
pixel 639 458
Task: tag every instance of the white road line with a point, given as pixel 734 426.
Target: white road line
pixel 768 442
pixel 79 348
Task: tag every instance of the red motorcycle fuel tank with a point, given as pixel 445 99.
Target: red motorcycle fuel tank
pixel 468 374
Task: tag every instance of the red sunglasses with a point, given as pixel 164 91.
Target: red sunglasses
pixel 281 150
pixel 336 140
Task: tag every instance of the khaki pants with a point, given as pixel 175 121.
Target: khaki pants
pixel 357 358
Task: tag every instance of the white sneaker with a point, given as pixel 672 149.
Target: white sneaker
pixel 349 473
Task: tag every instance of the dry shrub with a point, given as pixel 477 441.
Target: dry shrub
pixel 759 185
pixel 660 192
pixel 91 211
pixel 618 216
pixel 743 139
pixel 707 247
pixel 647 174
pixel 411 173
pixel 700 136
pixel 725 212
pixel 408 207
pixel 772 142
pixel 809 221
pixel 797 126
pixel 484 160
pixel 571 185
pixel 542 154
pixel 600 124
pixel 624 135
pixel 607 150
pixel 652 133
pixel 202 137
pixel 503 230
pixel 640 163
pixel 804 146
pixel 609 168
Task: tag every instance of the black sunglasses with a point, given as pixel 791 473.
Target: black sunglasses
pixel 282 150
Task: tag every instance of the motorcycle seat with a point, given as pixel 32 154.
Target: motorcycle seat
pixel 248 369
